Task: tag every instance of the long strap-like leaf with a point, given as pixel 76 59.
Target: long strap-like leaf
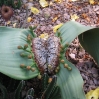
pixel 4 92
pixel 50 88
pixel 45 81
pixel 30 92
pixel 19 89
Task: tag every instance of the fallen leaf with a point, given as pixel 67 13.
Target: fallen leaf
pixel 43 3
pixel 58 1
pixel 34 10
pixel 51 3
pixel 8 22
pixel 88 19
pixel 72 0
pixel 44 36
pixel 84 15
pixel 54 19
pixel 74 17
pixel 93 94
pixel 88 95
pixel 29 19
pixel 14 25
pixel 91 1
pixel 49 80
pixel 55 28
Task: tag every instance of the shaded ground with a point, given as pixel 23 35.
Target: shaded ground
pixel 86 65
pixel 61 13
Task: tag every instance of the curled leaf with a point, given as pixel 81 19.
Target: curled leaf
pixel 55 28
pixel 43 3
pixel 34 10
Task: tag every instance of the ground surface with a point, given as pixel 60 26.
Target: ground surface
pixel 57 13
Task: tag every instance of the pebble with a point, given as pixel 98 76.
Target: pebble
pixel 29 5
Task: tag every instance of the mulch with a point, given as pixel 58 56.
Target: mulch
pixel 88 15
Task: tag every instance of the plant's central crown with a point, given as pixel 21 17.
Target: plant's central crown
pixel 46 50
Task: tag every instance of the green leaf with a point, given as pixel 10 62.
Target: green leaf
pixel 44 81
pixel 29 97
pixel 30 92
pixel 50 88
pixel 70 30
pixel 10 59
pixel 19 89
pixel 90 42
pixel 56 93
pixel 70 82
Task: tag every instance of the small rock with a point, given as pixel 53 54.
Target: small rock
pixel 82 52
pixel 89 71
pixel 97 8
pixel 18 11
pixel 91 82
pixel 97 12
pixel 17 17
pixel 24 1
pixel 93 87
pixel 94 70
pixel 95 81
pixel 95 75
pixel 29 5
pixel 43 28
pixel 72 56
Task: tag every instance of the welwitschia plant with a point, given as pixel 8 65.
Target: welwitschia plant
pixel 24 56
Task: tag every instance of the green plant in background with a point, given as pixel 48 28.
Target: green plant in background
pixel 13 43
pixel 49 90
pixel 15 4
